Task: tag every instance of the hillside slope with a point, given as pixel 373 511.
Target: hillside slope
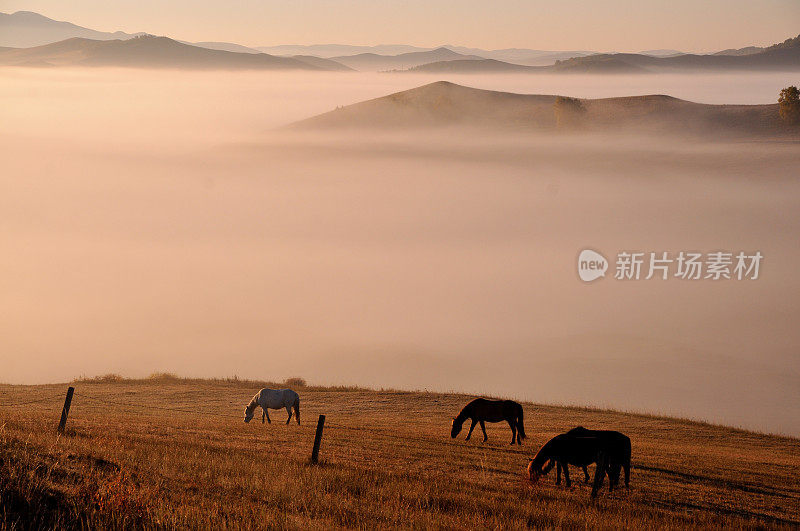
pixel 224 46
pixel 175 453
pixel 323 64
pixel 443 104
pixel 146 52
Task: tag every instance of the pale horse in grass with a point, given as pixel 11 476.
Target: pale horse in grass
pixel 274 399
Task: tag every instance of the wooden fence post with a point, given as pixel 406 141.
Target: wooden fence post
pixel 65 411
pixel 317 440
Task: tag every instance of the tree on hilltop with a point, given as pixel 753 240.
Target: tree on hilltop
pixel 569 111
pixel 789 105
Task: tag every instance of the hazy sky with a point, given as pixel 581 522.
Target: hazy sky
pixel 606 25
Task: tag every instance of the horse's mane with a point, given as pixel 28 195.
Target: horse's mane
pixel 464 413
pixel 536 457
pixel 254 402
pixel 540 456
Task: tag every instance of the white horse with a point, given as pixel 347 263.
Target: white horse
pixel 274 399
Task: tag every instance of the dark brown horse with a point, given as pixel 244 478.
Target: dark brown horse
pixel 611 451
pixel 617 448
pixel 481 410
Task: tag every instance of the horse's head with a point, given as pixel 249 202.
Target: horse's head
pixel 534 473
pixel 536 470
pixel 456 428
pixel 248 414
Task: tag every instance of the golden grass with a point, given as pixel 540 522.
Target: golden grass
pixel 387 461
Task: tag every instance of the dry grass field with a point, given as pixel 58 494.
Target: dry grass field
pixel 386 461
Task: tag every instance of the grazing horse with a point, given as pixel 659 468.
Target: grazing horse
pixel 274 399
pixel 617 448
pixel 611 451
pixel 481 410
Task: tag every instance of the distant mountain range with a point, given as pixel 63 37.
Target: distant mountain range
pixel 471 66
pixel 31 39
pixel 335 50
pixel 748 50
pixel 24 29
pixel 371 62
pixel 522 56
pixel 593 64
pixel 147 51
pixel 782 56
pixel 662 53
pixel 444 104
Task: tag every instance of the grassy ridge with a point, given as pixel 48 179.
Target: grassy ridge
pixel 443 104
pixel 387 461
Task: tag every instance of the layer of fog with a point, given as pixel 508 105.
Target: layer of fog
pixel 218 105
pixel 153 221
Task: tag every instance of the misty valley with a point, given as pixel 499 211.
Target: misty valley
pixel 195 237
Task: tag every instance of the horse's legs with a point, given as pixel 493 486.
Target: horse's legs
pixel 472 427
pixel 613 475
pixel 266 413
pixel 483 428
pixel 513 431
pixel 263 411
pixel 558 472
pixel 585 475
pixel 289 411
pixel 566 473
pixel 599 473
pixel 610 472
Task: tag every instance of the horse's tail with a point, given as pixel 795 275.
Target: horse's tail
pixel 296 407
pixel 521 424
pixel 626 463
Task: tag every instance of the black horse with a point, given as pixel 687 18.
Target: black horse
pixel 481 410
pixel 611 451
pixel 617 448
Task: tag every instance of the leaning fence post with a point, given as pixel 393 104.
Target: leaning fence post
pixel 317 439
pixel 65 411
